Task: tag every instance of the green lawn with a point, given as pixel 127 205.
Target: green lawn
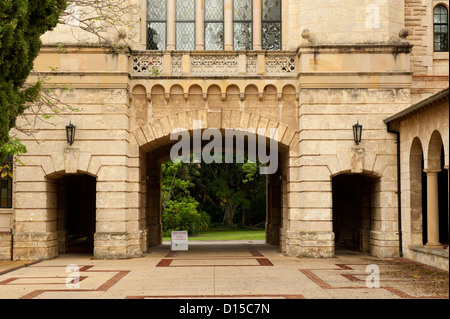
pixel 228 234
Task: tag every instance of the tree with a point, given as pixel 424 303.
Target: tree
pixel 179 209
pixel 194 195
pixel 227 191
pixel 235 186
pixel 22 22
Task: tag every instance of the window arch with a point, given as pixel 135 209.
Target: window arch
pixel 440 30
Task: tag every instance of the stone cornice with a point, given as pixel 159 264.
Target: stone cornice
pixel 393 48
pixel 432 100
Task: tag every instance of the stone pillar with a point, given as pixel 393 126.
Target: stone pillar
pixel 228 24
pixel 5 246
pixel 274 208
pixel 154 202
pixel 448 184
pixel 199 25
pixel 432 209
pixel 35 233
pixel 170 24
pixel 256 25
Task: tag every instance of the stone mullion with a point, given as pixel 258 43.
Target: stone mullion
pixel 170 25
pixel 257 25
pixel 228 24
pixel 199 25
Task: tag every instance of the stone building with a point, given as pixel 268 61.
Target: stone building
pixel 310 69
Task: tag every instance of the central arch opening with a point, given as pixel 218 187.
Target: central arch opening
pixel 215 201
pixel 229 193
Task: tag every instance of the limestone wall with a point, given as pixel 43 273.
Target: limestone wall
pixel 332 100
pixel 430 68
pixel 353 67
pixel 344 22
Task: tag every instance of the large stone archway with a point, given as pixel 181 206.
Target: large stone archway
pixel 155 144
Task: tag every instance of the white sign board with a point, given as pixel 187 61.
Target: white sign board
pixel 179 240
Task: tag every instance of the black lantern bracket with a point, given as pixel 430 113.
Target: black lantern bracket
pixel 70 132
pixel 357 133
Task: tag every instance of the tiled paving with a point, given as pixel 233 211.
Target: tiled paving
pixel 215 271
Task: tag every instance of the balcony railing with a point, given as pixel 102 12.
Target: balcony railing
pixel 215 64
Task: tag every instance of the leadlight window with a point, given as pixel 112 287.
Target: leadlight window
pixel 185 24
pixel 214 22
pixel 242 24
pixel 6 183
pixel 214 25
pixel 156 24
pixel 271 24
pixel 440 20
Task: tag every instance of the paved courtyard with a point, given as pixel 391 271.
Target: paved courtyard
pixel 231 271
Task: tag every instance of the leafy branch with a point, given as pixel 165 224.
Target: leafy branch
pixel 110 21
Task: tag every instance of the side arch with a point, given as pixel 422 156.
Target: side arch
pixel 435 145
pixel 416 209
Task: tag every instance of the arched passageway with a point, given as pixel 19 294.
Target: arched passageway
pixel 76 213
pixel 275 191
pixel 352 210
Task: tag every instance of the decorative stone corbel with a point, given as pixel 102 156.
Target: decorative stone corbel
pixel 357 159
pixel 71 156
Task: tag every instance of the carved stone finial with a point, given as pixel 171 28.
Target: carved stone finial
pixel 306 34
pixel 403 33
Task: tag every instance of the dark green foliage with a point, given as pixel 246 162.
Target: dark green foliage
pixel 22 22
pixel 180 211
pixel 195 196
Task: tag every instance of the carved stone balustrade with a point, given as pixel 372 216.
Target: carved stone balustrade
pixel 215 64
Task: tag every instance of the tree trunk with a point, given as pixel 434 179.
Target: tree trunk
pixel 244 217
pixel 230 209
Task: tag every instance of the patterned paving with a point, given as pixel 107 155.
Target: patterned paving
pixel 206 272
pixel 177 259
pixel 358 281
pixel 60 280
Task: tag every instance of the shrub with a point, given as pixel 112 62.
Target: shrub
pixel 182 215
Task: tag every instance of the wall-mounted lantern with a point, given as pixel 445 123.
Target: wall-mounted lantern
pixel 70 130
pixel 357 131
